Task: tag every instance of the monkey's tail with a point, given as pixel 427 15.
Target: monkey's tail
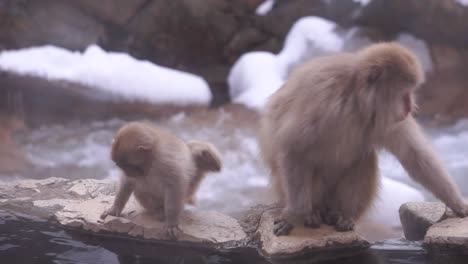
pixel 206 158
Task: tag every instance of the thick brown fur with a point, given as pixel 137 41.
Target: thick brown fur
pixel 161 170
pixel 321 131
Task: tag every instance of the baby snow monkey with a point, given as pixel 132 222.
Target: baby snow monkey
pixel 161 170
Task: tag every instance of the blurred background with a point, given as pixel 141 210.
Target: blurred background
pixel 73 72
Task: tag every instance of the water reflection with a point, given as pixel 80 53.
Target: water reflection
pixel 24 240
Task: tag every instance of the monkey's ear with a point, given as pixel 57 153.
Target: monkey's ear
pixel 374 74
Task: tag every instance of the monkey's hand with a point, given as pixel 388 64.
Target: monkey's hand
pixel 114 211
pixel 282 227
pixel 172 231
pixel 461 211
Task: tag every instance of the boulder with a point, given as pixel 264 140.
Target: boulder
pixel 448 236
pixel 197 226
pixel 417 217
pixel 428 19
pixel 437 225
pixel 40 101
pixel 47 22
pixel 314 244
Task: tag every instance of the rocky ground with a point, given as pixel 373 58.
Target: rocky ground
pixel 78 205
pixel 435 224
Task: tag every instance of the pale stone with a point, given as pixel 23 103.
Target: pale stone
pixel 451 233
pixel 417 217
pixel 89 187
pixel 207 227
pixel 318 244
pixel 32 184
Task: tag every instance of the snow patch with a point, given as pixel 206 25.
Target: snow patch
pixel 362 2
pixel 257 75
pixel 308 38
pixel 119 74
pixel 265 7
pixel 253 78
pixel 419 47
pixel 463 2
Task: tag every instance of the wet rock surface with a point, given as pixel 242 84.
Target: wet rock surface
pixel 77 204
pixel 315 244
pixel 303 243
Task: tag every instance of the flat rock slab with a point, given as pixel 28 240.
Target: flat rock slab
pixel 315 244
pixel 450 234
pixel 197 226
pixel 417 217
pixel 79 204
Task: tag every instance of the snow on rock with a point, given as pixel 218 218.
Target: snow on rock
pixel 463 2
pixel 119 74
pixel 309 37
pixel 355 39
pixel 362 2
pixel 253 78
pixel 419 47
pixel 265 7
pixel 257 75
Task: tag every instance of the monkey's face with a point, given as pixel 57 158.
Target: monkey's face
pixel 133 159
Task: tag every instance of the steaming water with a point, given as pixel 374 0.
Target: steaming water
pixel 81 150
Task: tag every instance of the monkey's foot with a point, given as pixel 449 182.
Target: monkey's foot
pixel 331 218
pixel 313 220
pixel 282 227
pixel 344 224
pixel 173 232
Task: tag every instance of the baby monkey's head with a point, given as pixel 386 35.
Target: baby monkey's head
pixel 132 149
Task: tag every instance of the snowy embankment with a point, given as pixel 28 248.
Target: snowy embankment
pixel 257 75
pixel 119 74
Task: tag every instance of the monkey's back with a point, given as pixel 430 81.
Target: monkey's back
pixel 172 165
pixel 310 112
